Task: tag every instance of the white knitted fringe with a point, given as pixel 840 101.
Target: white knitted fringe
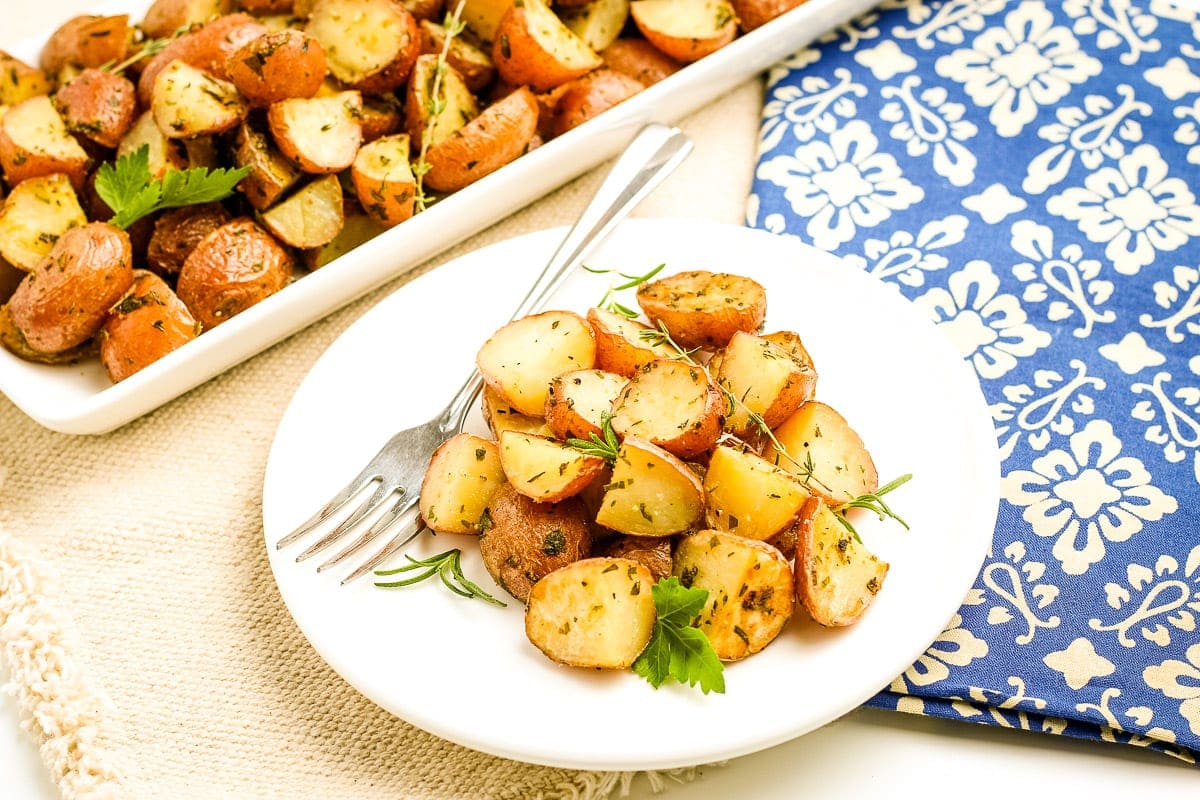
pixel 59 707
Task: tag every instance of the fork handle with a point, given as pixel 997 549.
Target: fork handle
pixel 652 155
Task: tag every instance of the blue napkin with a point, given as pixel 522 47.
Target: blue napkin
pixel 1026 172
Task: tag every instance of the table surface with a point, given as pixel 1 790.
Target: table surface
pixel 867 750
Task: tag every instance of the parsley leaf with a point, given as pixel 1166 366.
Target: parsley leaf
pixel 129 189
pixel 676 648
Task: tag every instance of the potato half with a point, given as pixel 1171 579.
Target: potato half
pixel 36 212
pixel 672 404
pixel 578 400
pixel 521 358
pixel 533 47
pixel 704 309
pixel 462 477
pixel 651 493
pixel 837 576
pixel 821 447
pixel 686 30
pixel 749 496
pixel 765 380
pixel 546 470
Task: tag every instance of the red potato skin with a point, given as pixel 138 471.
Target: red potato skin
pixel 65 300
pixel 395 74
pixel 640 60
pixel 753 14
pixel 86 41
pixel 520 60
pixel 497 136
pixel 589 96
pixel 276 66
pixel 146 324
pixel 206 48
pixel 178 231
pixel 98 105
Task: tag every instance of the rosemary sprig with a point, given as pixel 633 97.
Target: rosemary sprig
pixel 150 47
pixel 436 104
pixel 874 502
pixel 594 445
pixel 608 302
pixel 447 566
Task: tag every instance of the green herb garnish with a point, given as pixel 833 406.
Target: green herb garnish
pixel 129 189
pixel 608 302
pixel 677 649
pixel 606 447
pixel 447 566
pixel 874 502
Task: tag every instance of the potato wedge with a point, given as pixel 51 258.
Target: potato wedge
pixel 532 46
pixel 65 299
pixel 546 470
pixel 321 134
pixel 672 404
pixel 597 22
pixel 271 173
pixel 578 400
pixel 521 358
pixel 276 66
pixel 686 30
pixel 620 348
pixel 523 541
pixel 586 97
pixel 767 382
pixel 312 216
pixel 35 214
pixel 20 81
pixel 640 60
pixel 188 102
pixel 652 553
pixel 457 107
pixel 820 446
pixel 704 309
pixel 473 63
pixel 751 591
pixel 500 416
pixel 596 613
pixel 482 17
pixel 500 134
pixel 86 41
pixel 384 181
pixel 463 475
pixel 357 229
pixel 164 17
pixel 176 233
pixel 652 493
pixel 837 576
pixel 234 267
pixel 747 495
pixel 164 153
pixel 34 141
pixel 98 105
pixel 146 324
pixel 370 45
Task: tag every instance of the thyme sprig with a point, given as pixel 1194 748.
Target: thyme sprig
pixel 874 502
pixel 448 567
pixel 594 445
pixel 149 47
pixel 436 103
pixel 608 302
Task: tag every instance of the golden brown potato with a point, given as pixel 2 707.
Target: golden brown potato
pixel 64 300
pixel 98 105
pixel 586 97
pixel 597 22
pixel 532 46
pixel 20 81
pixel 382 115
pixel 652 553
pixel 672 404
pixel 260 8
pixel 456 107
pixel 464 474
pixel 596 613
pixel 357 229
pixel 13 340
pixel 234 267
pixel 620 347
pixel 35 214
pixel 704 309
pixel 578 400
pixel 526 540
pixel 473 63
pixel 322 134
pixel 482 17
pixel 164 153
pixel 790 342
pixel 188 102
pixel 820 446
pixel 383 180
pixel 520 359
pixel 370 45
pixel 164 17
pixel 546 470
pixel 651 493
pixel 753 14
pixel 837 576
pixel 271 173
pixel 86 41
pixel 310 217
pixel 206 48
pixel 501 416
pixel 500 134
pixel 747 495
pixel 768 383
pixel 34 141
pixel 640 60
pixel 276 66
pixel 177 231
pixel 686 30
pixel 145 325
pixel 751 591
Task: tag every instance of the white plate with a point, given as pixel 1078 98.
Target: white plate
pixel 463 670
pixel 81 399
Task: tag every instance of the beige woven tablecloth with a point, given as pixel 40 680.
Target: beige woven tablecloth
pixel 150 652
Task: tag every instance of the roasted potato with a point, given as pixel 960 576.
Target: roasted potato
pixel 312 216
pixel 640 60
pixel 597 22
pixel 523 541
pixel 501 416
pixel 598 612
pixel 463 475
pixel 86 41
pixel 620 346
pixel 704 309
pixel 13 340
pixel 176 233
pixel 790 343
pixel 521 358
pixel 589 96
pixel 672 404
pixel 533 47
pixel 146 324
pixel 322 134
pixel 20 81
pixel 578 401
pixel 768 383
pixel 482 17
pixel 382 115
pixel 544 469
pixel 34 141
pixel 819 445
pixel 424 10
pixel 98 105
pixel 651 493
pixel 164 153
pixel 686 30
pixel 500 134
pixel 271 173
pixel 370 45
pixel 652 553
pixel 747 495
pixel 383 180
pixel 261 8
pixel 753 14
pixel 357 229
pixel 456 107
pixel 188 102
pixel 837 576
pixel 165 17
pixel 234 267
pixel 276 66
pixel 35 214
pixel 206 48
pixel 65 299
pixel 751 591
pixel 472 63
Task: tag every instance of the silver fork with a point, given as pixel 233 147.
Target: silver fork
pixel 394 475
